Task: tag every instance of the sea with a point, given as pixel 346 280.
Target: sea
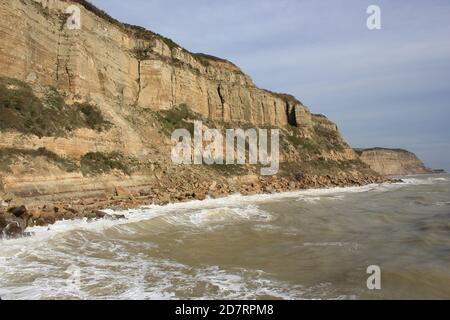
pixel 311 244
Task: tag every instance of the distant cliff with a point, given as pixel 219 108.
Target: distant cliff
pixel 393 162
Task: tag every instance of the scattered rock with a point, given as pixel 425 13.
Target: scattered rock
pixel 163 198
pixel 18 211
pixel 143 193
pixel 68 215
pixel 123 193
pixel 115 217
pixel 215 194
pixel 3 222
pixel 11 226
pixel 59 209
pixel 8 197
pixel 13 230
pixel 71 210
pixel 213 186
pixel 100 214
pixel 200 196
pixel 45 218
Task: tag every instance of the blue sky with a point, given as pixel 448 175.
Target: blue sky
pixel 389 87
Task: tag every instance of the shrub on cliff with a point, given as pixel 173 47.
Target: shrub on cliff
pixel 329 139
pixel 93 117
pixel 9 156
pixel 21 110
pixel 179 117
pixel 307 146
pixel 97 163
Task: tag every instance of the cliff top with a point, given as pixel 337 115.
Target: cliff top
pixel 144 34
pixel 361 150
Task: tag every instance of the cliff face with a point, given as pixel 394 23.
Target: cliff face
pixel 393 162
pixel 112 63
pixel 111 91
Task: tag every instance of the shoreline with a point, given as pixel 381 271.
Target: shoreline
pixel 16 217
pixel 93 210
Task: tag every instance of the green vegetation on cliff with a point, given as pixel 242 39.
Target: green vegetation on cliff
pixel 21 110
pixel 97 163
pixel 178 117
pixel 10 156
pixel 91 164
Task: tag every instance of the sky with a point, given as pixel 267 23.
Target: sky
pixel 384 88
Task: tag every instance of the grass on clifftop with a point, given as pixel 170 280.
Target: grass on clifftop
pixel 21 110
pixel 144 34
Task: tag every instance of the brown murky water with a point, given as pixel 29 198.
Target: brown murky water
pixel 306 245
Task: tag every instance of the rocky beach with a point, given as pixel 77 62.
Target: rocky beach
pixel 15 217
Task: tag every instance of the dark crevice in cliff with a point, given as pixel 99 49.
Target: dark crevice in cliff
pixel 263 113
pixel 210 113
pixel 69 76
pixel 290 113
pixel 139 82
pixel 173 81
pixel 222 101
pixel 62 22
pixel 63 57
pixel 57 58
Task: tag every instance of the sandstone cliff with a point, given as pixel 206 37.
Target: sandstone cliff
pixel 84 111
pixel 393 162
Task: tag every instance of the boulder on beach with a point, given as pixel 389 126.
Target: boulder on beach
pixel 123 193
pixel 18 211
pixel 12 225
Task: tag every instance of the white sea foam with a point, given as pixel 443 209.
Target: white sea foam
pixel 218 217
pixel 351 245
pixel 442 204
pixel 145 278
pixel 423 180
